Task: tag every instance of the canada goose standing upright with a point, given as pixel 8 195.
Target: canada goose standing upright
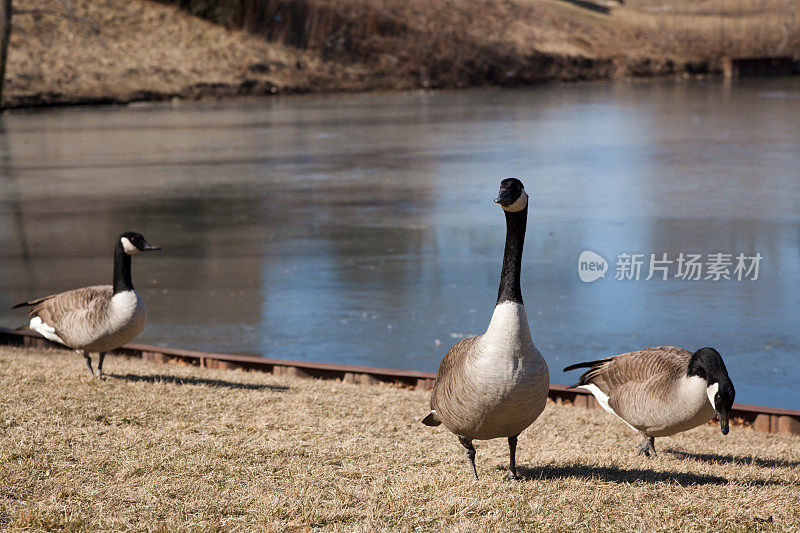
pixel 97 318
pixel 495 385
pixel 661 391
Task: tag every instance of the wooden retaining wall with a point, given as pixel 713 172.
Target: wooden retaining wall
pixel 767 419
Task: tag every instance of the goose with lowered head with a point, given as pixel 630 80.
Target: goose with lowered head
pixel 661 391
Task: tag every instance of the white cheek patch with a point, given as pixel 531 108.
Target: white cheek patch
pixel 712 391
pixel 128 246
pixel 519 204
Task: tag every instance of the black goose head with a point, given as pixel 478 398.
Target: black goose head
pixel 512 196
pixel 706 363
pixel 133 243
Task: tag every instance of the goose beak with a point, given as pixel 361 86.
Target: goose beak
pixel 150 247
pixel 723 421
pixel 504 198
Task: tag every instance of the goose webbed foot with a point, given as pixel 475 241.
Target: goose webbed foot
pixel 647 447
pixel 512 459
pixel 467 443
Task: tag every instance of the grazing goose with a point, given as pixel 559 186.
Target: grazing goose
pixel 661 391
pixel 495 385
pixel 97 318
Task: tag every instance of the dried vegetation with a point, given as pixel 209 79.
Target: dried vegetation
pixel 71 51
pixel 162 447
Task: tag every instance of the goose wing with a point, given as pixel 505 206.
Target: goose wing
pixel 451 363
pixel 638 383
pixel 72 314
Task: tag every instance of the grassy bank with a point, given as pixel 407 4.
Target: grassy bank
pixel 177 448
pixel 72 51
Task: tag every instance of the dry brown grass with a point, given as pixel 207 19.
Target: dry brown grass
pixel 124 50
pixel 712 28
pixel 161 447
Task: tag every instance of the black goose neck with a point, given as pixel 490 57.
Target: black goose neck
pixel 122 270
pixel 510 290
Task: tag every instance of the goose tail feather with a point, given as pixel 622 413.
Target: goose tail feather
pixel 579 365
pixel 432 419
pixel 31 303
pixel 587 364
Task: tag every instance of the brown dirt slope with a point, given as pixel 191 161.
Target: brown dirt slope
pixel 124 50
pixel 83 51
pixel 173 448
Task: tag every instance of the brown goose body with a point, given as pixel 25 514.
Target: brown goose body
pixel 493 385
pixel 650 391
pixel 92 319
pixel 97 318
pixel 496 384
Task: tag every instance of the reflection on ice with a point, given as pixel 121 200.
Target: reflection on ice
pixel 361 229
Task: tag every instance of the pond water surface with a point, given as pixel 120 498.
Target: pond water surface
pixel 361 229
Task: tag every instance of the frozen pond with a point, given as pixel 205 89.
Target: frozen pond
pixel 361 229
